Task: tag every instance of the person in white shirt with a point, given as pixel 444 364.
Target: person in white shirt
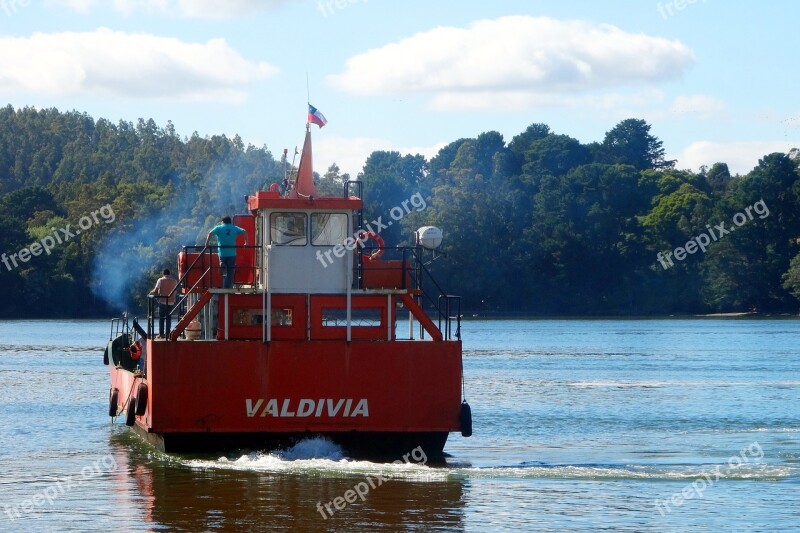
pixel 165 297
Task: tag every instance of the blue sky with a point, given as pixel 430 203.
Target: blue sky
pixel 716 80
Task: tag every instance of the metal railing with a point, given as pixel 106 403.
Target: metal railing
pixel 447 305
pixel 409 272
pixel 119 326
pixel 204 263
pixel 356 188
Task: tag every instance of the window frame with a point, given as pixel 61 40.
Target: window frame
pixel 272 226
pixel 311 231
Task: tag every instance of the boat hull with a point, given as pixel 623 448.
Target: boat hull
pixel 371 445
pixel 380 397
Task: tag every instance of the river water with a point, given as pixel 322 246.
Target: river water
pixel 580 425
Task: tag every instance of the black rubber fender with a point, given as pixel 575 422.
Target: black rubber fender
pixel 113 397
pixel 465 418
pixel 105 356
pixel 130 417
pixel 141 399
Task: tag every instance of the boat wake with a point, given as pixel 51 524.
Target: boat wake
pixel 320 457
pixel 315 448
pixel 754 472
pixel 648 384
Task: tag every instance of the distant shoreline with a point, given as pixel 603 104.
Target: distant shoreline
pixel 733 315
pixel 524 316
pixel 501 316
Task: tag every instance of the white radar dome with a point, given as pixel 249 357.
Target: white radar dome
pixel 429 237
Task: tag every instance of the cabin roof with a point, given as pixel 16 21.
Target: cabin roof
pixel 273 200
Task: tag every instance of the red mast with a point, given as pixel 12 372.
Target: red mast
pixel 304 187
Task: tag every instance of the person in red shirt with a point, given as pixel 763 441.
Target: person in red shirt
pixel 164 292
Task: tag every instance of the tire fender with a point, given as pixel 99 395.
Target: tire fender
pixel 141 399
pixel 113 397
pixel 130 416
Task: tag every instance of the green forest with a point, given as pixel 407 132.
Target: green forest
pixel 539 225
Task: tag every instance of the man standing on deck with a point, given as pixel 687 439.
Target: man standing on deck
pixel 164 292
pixel 226 234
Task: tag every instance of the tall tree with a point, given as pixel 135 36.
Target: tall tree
pixel 630 143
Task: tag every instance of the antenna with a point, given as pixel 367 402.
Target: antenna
pixel 308 90
pixel 285 159
pixel 293 173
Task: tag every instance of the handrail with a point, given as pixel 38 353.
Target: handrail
pixel 181 282
pixel 358 223
pixel 119 325
pixel 189 316
pixel 412 263
pixel 181 298
pixel 209 250
pixel 450 303
pixel 422 317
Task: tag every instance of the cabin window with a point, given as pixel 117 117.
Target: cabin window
pixel 337 317
pixel 288 229
pixel 281 317
pixel 328 229
pixel 254 317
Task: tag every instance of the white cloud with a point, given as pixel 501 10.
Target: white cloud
pixel 527 59
pixel 516 100
pixel 106 62
pixel 350 154
pixel 204 9
pixel 741 156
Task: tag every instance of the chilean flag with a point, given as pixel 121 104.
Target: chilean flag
pixel 315 117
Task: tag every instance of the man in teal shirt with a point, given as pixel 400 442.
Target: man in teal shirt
pixel 226 234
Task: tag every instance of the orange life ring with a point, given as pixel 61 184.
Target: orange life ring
pixel 275 187
pixel 364 236
pixel 136 350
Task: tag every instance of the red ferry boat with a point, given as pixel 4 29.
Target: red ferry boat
pixel 305 344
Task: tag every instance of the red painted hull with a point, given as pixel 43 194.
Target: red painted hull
pixel 244 393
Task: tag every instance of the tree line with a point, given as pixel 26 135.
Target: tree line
pixel 543 224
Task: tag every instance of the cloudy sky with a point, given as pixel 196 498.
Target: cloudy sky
pixel 717 80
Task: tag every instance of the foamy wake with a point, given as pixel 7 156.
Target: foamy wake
pixel 320 456
pixel 658 384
